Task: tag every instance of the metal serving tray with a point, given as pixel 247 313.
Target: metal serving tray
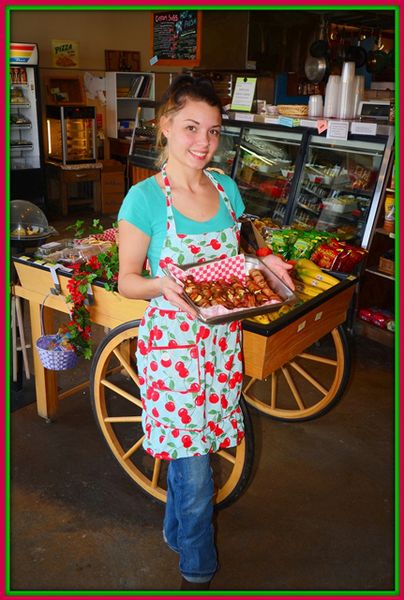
pixel 251 262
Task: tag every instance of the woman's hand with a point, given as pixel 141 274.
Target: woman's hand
pixel 172 292
pixel 280 268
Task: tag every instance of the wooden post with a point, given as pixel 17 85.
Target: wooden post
pixel 45 380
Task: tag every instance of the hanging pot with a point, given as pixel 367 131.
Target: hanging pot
pixel 377 59
pixel 320 48
pixel 356 53
pixel 316 68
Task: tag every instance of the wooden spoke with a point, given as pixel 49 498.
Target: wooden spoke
pixel 133 448
pixel 227 456
pixel 249 384
pixel 321 359
pixel 121 392
pixel 126 366
pixel 293 388
pixel 156 472
pixel 128 419
pixel 308 377
pixel 273 389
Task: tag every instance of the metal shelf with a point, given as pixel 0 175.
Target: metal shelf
pixel 390 234
pixel 375 271
pixel 314 212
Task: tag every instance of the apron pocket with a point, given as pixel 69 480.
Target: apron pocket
pixel 174 369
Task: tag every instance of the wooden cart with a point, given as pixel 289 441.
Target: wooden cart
pixel 308 343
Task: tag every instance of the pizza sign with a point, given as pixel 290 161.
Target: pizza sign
pixel 65 54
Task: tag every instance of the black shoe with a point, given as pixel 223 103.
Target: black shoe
pixel 193 585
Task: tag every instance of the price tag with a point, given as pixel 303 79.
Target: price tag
pixel 271 120
pixel 322 125
pixel 286 121
pixel 338 130
pixel 364 128
pixel 244 116
pixel 153 60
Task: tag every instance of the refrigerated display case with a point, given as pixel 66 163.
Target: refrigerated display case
pixel 26 152
pixel 265 166
pixel 337 185
pixel 291 175
pixel 71 134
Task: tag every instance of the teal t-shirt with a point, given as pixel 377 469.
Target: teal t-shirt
pixel 145 207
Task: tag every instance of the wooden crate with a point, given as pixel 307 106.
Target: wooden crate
pixel 386 265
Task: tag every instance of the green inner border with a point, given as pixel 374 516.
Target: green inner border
pixel 395 592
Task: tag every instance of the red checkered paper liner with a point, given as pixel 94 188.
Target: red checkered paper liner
pixel 212 271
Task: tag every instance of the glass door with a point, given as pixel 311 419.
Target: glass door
pixel 336 186
pixel 264 172
pixel 226 152
pixel 24 134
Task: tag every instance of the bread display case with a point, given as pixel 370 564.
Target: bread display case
pixel 71 134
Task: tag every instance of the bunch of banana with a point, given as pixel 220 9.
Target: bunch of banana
pixel 310 280
pixel 271 316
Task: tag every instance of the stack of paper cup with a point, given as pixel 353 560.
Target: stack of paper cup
pixel 359 89
pixel 346 99
pixel 315 105
pixel 332 96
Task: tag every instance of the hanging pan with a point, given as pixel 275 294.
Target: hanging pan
pixel 316 68
pixel 319 48
pixel 357 54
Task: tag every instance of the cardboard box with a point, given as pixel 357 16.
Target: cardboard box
pixel 112 186
pixel 386 265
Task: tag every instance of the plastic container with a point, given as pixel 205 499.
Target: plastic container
pixel 316 105
pixel 388 224
pixel 27 221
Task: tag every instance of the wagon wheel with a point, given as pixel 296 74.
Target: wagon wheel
pixel 309 385
pixel 117 408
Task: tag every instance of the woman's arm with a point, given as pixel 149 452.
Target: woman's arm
pixel 133 245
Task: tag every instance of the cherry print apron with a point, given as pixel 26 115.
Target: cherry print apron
pixel 190 373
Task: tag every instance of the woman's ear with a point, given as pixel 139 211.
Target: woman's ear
pixel 165 126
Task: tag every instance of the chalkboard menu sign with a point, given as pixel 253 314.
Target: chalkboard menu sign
pixel 176 37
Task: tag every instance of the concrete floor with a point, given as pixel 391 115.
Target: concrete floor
pixel 318 513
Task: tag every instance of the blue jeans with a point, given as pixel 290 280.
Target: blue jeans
pixel 188 527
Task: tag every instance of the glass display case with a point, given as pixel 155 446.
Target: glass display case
pixel 291 175
pixel 26 149
pixel 336 186
pixel 226 153
pixel 264 171
pixel 71 134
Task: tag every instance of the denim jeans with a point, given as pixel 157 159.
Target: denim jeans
pixel 188 527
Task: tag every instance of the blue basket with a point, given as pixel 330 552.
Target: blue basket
pixel 55 359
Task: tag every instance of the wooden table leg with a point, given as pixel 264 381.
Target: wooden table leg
pixel 45 380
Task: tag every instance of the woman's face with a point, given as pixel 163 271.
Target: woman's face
pixel 193 134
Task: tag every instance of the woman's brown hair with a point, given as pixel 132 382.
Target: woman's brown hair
pixel 183 87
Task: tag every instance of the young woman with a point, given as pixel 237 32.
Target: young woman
pixel 189 386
